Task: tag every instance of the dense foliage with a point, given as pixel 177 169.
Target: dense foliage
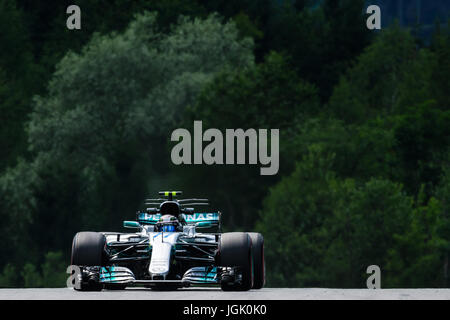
pixel 364 119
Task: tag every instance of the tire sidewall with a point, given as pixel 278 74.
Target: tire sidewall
pixel 258 260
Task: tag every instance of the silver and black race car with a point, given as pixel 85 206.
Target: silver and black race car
pixel 174 247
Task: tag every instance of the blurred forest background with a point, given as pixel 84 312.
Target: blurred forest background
pixel 364 119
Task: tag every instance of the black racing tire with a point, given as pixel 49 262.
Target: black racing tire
pixel 87 251
pixel 259 268
pixel 235 250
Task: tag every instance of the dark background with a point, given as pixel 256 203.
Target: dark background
pixel 364 119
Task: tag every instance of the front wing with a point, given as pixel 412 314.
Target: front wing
pixel 122 276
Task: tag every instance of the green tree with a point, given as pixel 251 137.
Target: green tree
pixel 361 151
pixel 31 276
pixel 371 87
pixel 330 35
pixel 366 221
pixel 321 230
pixel 443 230
pixel 269 95
pixel 440 77
pixel 9 277
pixel 392 82
pixel 50 274
pixel 423 141
pixel 292 220
pixel 17 204
pixel 18 74
pixel 54 270
pixel 419 257
pixel 51 40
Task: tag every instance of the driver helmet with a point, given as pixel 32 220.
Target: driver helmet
pixel 167 223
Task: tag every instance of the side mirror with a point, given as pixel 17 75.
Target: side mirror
pixel 188 210
pixel 152 210
pixel 131 224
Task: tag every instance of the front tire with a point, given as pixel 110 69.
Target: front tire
pixel 88 251
pixel 235 250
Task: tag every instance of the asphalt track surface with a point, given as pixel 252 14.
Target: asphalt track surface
pixel 217 294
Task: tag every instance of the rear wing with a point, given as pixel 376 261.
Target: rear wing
pixel 147 218
pixel 185 210
pixel 199 219
pixel 202 219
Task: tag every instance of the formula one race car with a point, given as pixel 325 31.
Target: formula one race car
pixel 175 246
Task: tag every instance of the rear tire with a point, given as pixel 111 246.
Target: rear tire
pixel 235 250
pixel 259 268
pixel 88 251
